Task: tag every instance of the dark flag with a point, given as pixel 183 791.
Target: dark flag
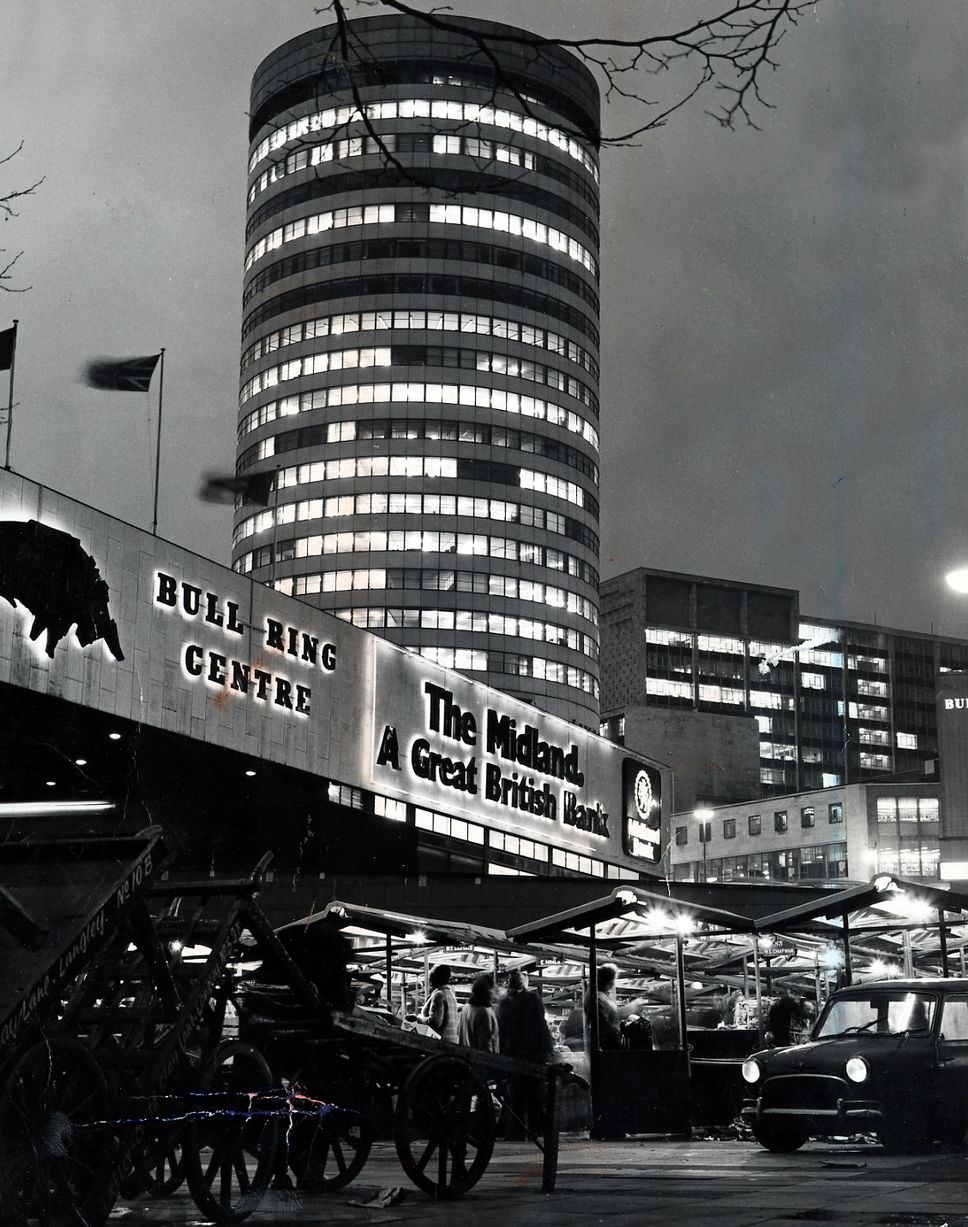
pixel 254 489
pixel 7 338
pixel 121 374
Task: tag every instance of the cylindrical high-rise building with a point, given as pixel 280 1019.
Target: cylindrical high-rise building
pixel 420 346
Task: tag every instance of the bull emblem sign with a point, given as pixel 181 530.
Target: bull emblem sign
pixel 48 572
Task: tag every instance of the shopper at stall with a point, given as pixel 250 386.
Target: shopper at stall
pixel 609 1027
pixel 440 1009
pixel 781 1016
pixel 478 1021
pixel 524 1034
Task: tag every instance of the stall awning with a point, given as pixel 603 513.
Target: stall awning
pixel 883 889
pixel 631 903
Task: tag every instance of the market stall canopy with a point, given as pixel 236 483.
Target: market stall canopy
pixel 631 914
pixel 897 900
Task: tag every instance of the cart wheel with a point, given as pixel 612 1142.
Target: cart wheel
pixel 230 1148
pixel 328 1151
pixel 158 1164
pixel 444 1126
pixel 57 1155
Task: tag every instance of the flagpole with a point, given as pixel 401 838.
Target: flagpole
pixel 161 391
pixel 13 359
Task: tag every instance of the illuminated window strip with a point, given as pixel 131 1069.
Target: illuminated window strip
pixel 423 321
pixel 402 503
pixel 382 356
pixel 361 146
pixel 473 216
pixel 419 466
pixel 442 824
pixel 577 862
pixel 422 108
pixel 375 580
pixel 538 669
pixel 417 392
pixel 473 621
pixel 428 541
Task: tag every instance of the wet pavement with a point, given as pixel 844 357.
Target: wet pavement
pixel 656 1182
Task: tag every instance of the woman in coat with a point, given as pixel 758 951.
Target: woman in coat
pixel 478 1022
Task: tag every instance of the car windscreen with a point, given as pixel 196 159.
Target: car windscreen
pixel 890 1012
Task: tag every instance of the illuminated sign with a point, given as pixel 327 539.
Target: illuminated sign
pixel 955 704
pixel 491 756
pixel 244 677
pixel 641 828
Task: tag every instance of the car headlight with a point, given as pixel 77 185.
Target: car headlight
pixel 857 1069
pixel 751 1071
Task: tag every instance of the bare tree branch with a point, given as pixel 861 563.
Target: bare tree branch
pixel 729 51
pixel 8 211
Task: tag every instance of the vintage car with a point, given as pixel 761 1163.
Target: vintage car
pixel 887 1057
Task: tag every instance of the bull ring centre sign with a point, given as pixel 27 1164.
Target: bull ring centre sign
pixel 245 677
pixel 491 757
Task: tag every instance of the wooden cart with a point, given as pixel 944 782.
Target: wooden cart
pixel 118 1074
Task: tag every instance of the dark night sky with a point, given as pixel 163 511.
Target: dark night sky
pixel 784 316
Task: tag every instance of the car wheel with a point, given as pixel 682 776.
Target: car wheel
pixel 781 1137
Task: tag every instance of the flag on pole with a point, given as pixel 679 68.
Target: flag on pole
pixel 121 374
pixel 7 339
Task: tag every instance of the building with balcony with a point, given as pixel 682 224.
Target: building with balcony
pixel 745 697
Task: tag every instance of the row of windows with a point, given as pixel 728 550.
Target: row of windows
pixel 421 321
pixel 421 393
pixel 426 541
pixel 472 832
pixel 444 430
pixel 754 823
pixel 357 505
pixel 419 251
pixel 907 809
pixel 914 862
pixel 513 664
pixel 493 190
pixel 422 108
pixel 419 355
pixel 389 142
pixel 476 621
pixel 434 579
pixel 413 284
pixel 435 467
pixel 475 216
pixel 440 144
pixel 787 865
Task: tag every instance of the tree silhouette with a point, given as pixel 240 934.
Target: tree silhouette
pixel 9 201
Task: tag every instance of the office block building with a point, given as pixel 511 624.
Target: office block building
pixel 419 370
pixel 854 832
pixel 834 703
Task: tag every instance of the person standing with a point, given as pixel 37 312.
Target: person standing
pixel 524 1034
pixel 609 1027
pixel 781 1017
pixel 440 1008
pixel 478 1022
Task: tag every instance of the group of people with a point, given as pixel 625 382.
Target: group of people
pixel 512 1024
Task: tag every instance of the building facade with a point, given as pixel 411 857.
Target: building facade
pixel 141 683
pixel 834 703
pixel 853 832
pixel 419 372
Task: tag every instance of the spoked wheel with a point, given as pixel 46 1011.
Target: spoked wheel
pixel 158 1163
pixel 57 1151
pixel 329 1149
pixel 232 1140
pixel 444 1126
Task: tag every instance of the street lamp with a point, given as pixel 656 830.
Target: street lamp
pixel 957 579
pixel 704 816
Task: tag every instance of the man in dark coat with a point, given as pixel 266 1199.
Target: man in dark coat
pixel 523 1034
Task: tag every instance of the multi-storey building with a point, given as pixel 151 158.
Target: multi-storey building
pixel 833 703
pixel 853 832
pixel 420 346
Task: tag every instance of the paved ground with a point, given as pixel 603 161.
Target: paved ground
pixel 645 1183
